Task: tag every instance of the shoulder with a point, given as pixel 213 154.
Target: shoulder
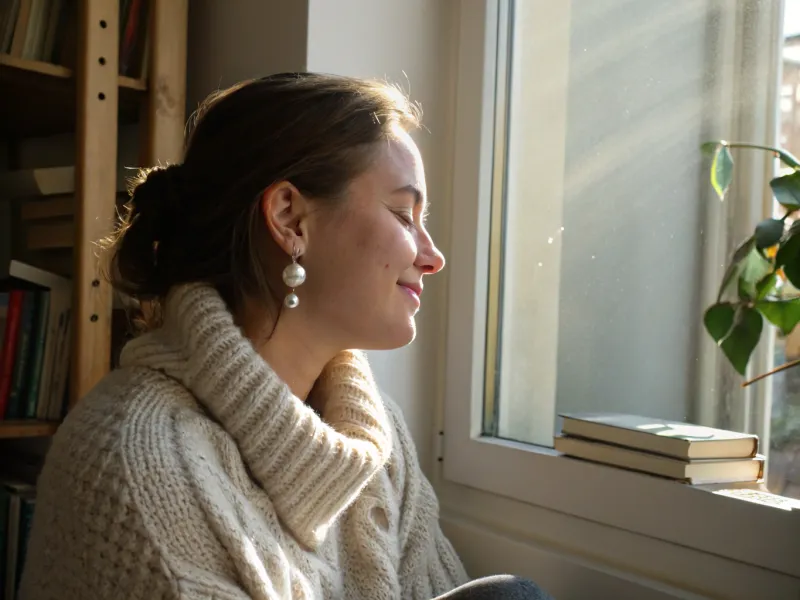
pixel 123 456
pixel 121 438
pixel 129 415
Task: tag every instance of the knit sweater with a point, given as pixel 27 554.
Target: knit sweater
pixel 193 472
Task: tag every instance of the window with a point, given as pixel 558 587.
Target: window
pixel 784 451
pixel 587 242
pixel 602 268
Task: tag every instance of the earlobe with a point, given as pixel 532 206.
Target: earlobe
pixel 284 211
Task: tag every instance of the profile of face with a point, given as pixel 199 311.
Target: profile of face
pixel 366 255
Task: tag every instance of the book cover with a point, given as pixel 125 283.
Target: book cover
pixel 7 355
pixel 674 438
pixel 695 472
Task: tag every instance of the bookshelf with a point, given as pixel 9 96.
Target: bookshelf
pixel 82 92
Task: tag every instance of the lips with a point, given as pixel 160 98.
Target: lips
pixel 413 290
pixel 414 287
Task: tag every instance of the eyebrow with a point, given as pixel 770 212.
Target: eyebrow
pixel 411 189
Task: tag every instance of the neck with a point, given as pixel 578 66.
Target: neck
pixel 296 354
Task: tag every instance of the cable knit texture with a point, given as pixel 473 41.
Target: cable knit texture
pixel 193 472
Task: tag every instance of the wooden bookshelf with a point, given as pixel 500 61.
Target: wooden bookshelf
pixel 26 429
pixel 90 100
pixel 44 98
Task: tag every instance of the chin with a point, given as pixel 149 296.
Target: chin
pixel 394 337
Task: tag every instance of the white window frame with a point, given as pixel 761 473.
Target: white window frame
pixel 687 516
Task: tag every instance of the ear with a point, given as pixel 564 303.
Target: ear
pixel 285 212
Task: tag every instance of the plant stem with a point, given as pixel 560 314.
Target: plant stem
pixel 783 367
pixel 786 157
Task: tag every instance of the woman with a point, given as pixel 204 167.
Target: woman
pixel 242 450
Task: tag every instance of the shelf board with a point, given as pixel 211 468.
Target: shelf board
pixel 39 98
pixel 27 428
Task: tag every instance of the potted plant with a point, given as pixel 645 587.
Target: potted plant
pixel 763 278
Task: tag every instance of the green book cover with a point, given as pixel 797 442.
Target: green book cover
pixel 37 353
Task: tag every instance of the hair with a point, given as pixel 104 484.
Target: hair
pixel 200 221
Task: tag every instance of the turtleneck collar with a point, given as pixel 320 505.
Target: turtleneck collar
pixel 311 468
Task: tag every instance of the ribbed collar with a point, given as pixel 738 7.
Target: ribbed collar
pixel 311 469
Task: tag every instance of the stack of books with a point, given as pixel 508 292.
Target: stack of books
pixel 47 30
pixel 689 453
pixel 17 500
pixel 35 315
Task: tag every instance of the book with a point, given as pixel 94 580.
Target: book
pixel 55 352
pixel 660 436
pixel 695 472
pixel 15 408
pixel 48 31
pixel 8 351
pixel 20 502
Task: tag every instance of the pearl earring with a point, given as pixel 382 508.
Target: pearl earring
pixel 293 276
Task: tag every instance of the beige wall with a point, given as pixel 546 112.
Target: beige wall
pixel 232 40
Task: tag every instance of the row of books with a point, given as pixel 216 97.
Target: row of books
pixel 35 325
pixel 683 452
pixel 47 30
pixel 17 502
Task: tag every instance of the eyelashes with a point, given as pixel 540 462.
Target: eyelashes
pixel 406 219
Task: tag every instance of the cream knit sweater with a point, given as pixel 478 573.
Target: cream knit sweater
pixel 193 472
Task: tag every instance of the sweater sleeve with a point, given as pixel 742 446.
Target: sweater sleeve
pixel 429 565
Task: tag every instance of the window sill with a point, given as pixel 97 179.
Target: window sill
pixel 691 516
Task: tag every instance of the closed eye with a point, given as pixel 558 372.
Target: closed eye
pixel 406 218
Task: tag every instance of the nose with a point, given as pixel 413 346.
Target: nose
pixel 430 260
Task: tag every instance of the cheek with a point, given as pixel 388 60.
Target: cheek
pixel 388 247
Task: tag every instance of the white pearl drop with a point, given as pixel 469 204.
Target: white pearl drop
pixel 294 275
pixel 291 301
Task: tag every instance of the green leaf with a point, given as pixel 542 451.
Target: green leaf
pixel 787 190
pixel 768 233
pixel 767 285
pixel 722 171
pixel 788 255
pixel 751 271
pixel 784 314
pixel 709 148
pixel 743 338
pixel 719 320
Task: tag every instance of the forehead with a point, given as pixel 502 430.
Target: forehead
pixel 401 163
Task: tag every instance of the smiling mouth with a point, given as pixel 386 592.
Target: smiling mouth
pixel 411 292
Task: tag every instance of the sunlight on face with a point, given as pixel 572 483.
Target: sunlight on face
pixel 366 265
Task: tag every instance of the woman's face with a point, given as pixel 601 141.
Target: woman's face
pixel 367 258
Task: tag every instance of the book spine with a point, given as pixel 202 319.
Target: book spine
pixel 37 354
pixel 10 21
pixel 15 408
pixel 20 28
pixel 61 368
pixel 9 348
pixel 53 19
pixel 12 535
pixel 3 316
pixel 5 502
pixel 25 521
pixel 129 36
pixel 58 303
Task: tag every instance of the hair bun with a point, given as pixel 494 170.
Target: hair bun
pixel 156 198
